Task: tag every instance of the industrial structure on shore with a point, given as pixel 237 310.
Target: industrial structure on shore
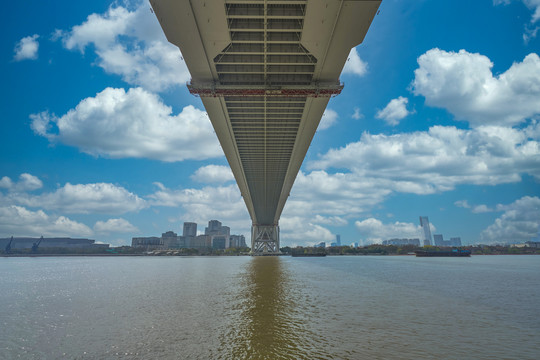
pixel 265 71
pixel 17 243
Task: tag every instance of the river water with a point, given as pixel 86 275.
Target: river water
pixel 344 307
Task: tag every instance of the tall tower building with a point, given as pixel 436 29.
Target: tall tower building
pixel 214 227
pixel 338 240
pixel 424 223
pixel 190 229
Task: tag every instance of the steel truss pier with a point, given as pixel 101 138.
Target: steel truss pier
pixel 265 239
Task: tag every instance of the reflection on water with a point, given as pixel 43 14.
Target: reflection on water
pixel 270 325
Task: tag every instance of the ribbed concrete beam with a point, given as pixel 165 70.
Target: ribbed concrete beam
pixel 265 71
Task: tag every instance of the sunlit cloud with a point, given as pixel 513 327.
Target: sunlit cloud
pixel 27 48
pixel 132 124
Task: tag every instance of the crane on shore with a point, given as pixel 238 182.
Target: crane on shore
pixel 36 244
pixel 8 246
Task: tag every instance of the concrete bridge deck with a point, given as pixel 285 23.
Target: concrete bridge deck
pixel 265 71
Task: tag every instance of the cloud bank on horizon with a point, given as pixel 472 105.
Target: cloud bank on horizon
pixel 456 123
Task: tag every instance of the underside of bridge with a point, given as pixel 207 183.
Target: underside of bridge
pixel 265 71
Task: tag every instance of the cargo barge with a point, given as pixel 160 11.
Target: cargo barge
pixel 452 253
pixel 307 255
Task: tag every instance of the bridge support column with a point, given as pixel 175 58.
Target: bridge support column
pixel 264 239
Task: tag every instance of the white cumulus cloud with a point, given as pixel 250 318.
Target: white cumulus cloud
pixel 27 48
pixel 478 209
pixel 375 231
pixel 136 123
pixel 213 174
pixel 81 199
pixel 439 159
pixel 357 115
pixel 330 220
pixel 19 221
pixel 354 64
pixel 463 83
pixel 462 204
pixel 395 111
pixel 114 226
pixel 329 118
pixel 130 43
pixel 27 182
pixel 520 222
pixel 199 205
pixel 339 194
pixel 295 230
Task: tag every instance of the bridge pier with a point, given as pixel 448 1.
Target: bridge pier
pixel 264 239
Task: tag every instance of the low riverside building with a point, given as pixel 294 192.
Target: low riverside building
pixel 53 242
pixel 201 243
pixel 149 243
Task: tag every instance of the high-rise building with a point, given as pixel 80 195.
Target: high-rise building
pixel 214 228
pixel 225 230
pixel 190 229
pixel 455 241
pixel 338 240
pixel 237 241
pixel 170 240
pixel 201 243
pixel 424 223
pixel 219 242
pixel 438 240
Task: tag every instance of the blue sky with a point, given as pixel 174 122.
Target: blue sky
pixel 439 117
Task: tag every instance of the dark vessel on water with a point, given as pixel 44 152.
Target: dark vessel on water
pixel 451 253
pixel 307 255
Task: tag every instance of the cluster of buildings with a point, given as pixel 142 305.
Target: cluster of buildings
pixel 333 244
pixel 402 242
pixel 216 237
pixel 437 238
pixel 528 244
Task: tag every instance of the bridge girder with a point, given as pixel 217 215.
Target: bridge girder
pixel 265 70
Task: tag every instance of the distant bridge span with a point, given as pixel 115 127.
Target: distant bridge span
pixel 265 71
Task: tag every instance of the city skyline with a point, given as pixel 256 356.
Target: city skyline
pixel 216 236
pixel 438 117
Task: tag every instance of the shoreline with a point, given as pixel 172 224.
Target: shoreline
pixel 199 255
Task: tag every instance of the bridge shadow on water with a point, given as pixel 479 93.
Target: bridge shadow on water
pixel 270 321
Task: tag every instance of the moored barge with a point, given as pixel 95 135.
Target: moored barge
pixel 452 253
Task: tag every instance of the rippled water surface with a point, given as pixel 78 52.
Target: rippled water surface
pixel 364 307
